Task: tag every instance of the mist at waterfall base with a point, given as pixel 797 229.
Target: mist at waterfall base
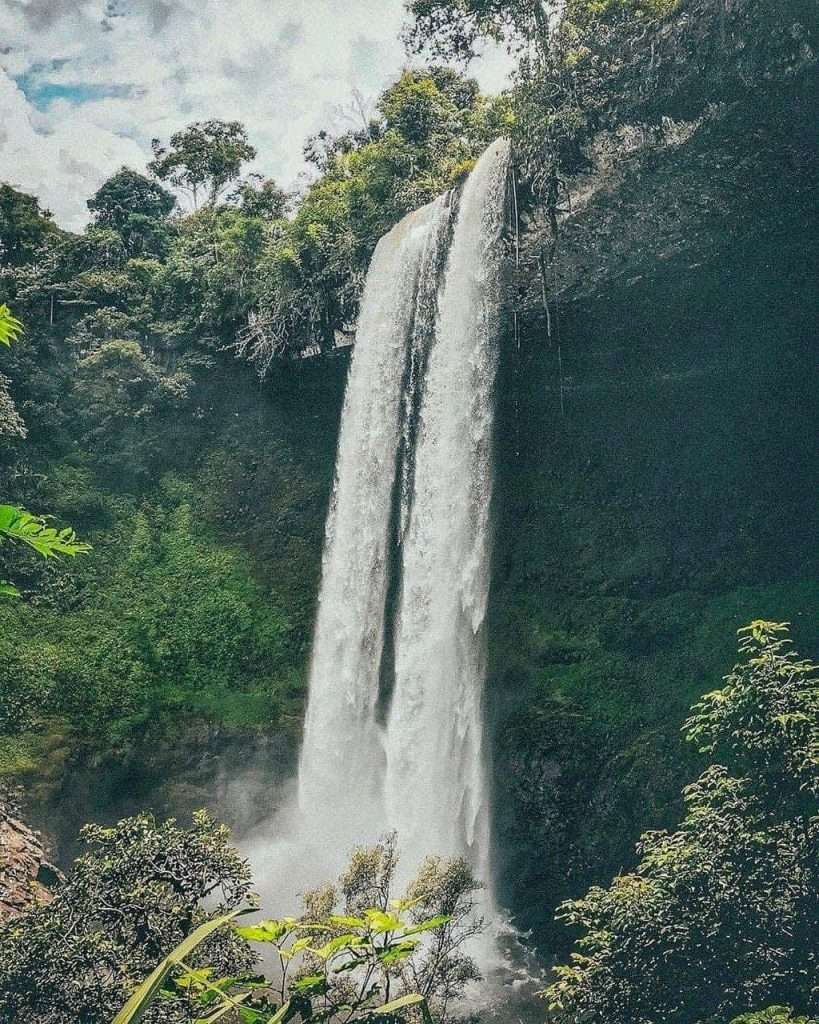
pixel 393 737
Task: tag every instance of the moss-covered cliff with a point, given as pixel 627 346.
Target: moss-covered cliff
pixel 657 460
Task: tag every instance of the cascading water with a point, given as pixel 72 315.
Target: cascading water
pixel 436 791
pixel 342 759
pixel 393 735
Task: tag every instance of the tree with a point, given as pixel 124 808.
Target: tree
pixel 135 893
pixel 145 924
pixel 430 128
pixel 205 157
pixel 261 197
pixel 210 279
pixel 135 207
pixel 584 14
pixel 772 1015
pixel 452 28
pixel 124 398
pixel 23 226
pixel 11 422
pixel 720 917
pixel 372 958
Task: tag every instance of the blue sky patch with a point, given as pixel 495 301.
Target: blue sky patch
pixel 41 93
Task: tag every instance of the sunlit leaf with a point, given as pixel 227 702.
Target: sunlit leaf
pixel 264 931
pixel 380 922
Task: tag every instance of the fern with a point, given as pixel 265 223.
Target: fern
pixel 10 326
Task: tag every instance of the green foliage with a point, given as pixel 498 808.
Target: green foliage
pixel 123 401
pixel 765 720
pixel 135 207
pixel 246 273
pixel 258 196
pixel 178 629
pixel 24 226
pixel 772 1015
pixel 206 156
pixel 719 916
pixel 430 127
pixel 351 963
pixel 48 541
pixel 452 28
pixel 21 527
pixel 10 327
pixel 568 83
pixel 209 282
pixel 144 929
pixel 16 525
pixel 138 890
pixel 585 13
pixel 11 424
pixel 139 1003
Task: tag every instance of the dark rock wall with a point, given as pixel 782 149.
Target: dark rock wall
pixel 671 501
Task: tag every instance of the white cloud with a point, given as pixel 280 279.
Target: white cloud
pixel 102 77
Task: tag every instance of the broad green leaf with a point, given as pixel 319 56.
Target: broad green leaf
pixel 224 1010
pixel 8 589
pixel 340 942
pixel 10 327
pixel 413 999
pixel 400 951
pixel 18 525
pixel 264 931
pixel 380 922
pixel 194 977
pixel 312 983
pixel 297 947
pixel 401 905
pixel 280 1014
pixel 428 925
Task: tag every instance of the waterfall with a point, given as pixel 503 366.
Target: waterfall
pixel 394 733
pixel 436 791
pixel 342 758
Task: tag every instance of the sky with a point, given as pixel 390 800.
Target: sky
pixel 86 84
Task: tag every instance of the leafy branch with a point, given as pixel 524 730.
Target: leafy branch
pixel 15 523
pixel 345 964
pixel 24 528
pixel 10 327
pixel 18 525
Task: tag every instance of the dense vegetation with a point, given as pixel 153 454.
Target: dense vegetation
pixel 142 892
pixel 719 916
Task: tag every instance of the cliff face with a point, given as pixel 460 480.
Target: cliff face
pixel 657 453
pixel 26 877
